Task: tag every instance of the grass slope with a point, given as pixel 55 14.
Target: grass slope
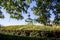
pixel 31 27
pixel 31 31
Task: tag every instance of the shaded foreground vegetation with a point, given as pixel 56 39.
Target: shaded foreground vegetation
pixel 12 37
pixel 32 33
pixel 28 32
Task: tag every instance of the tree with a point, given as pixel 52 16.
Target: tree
pixel 1 15
pixel 57 15
pixel 14 7
pixel 57 20
pixel 42 8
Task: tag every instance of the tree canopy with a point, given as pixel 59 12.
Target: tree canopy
pixel 42 9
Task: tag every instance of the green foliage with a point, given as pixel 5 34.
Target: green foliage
pixel 29 1
pixel 10 37
pixel 1 15
pixel 16 7
pixel 43 13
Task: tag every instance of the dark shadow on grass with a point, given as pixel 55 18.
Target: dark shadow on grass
pixel 13 37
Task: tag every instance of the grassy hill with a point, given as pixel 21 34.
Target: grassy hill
pixel 31 31
pixel 31 27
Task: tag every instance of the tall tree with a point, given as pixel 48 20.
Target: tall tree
pixel 57 12
pixel 15 7
pixel 42 8
pixel 1 15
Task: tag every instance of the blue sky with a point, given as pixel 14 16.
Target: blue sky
pixel 9 21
